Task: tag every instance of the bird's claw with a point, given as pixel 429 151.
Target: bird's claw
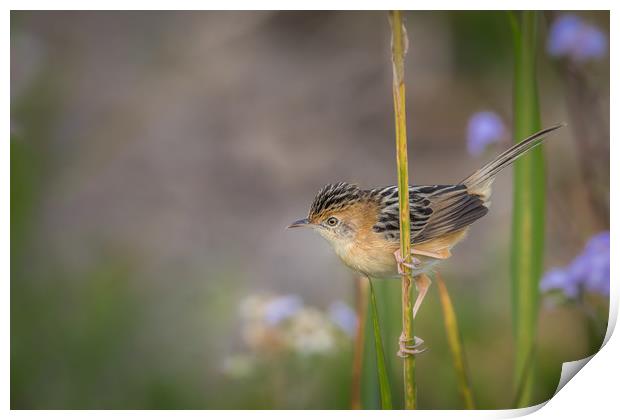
pixel 405 349
pixel 400 262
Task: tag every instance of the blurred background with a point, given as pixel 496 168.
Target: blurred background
pixel 157 157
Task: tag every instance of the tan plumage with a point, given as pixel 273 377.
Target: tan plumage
pixel 363 225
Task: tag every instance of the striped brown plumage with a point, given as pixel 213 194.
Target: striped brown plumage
pixel 435 210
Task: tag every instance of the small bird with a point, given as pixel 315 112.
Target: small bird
pixel 363 226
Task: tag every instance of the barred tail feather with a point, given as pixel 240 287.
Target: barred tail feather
pixel 479 182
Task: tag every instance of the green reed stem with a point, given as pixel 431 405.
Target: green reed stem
pixel 455 342
pixel 361 306
pixel 529 205
pixel 384 381
pixel 369 387
pixel 399 49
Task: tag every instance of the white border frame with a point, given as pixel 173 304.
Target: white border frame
pixel 592 394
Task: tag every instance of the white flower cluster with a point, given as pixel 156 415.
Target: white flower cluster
pixel 283 325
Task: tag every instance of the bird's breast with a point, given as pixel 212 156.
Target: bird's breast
pixel 376 259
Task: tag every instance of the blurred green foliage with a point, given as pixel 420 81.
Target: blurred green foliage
pixel 528 223
pixel 480 41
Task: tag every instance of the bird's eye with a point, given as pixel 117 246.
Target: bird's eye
pixel 332 221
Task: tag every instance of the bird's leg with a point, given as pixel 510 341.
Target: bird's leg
pixel 422 284
pixel 400 262
pixel 440 255
pixel 411 346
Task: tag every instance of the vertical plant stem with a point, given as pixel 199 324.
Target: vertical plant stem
pixel 529 205
pixel 399 49
pixel 361 303
pixel 385 390
pixel 370 393
pixel 455 342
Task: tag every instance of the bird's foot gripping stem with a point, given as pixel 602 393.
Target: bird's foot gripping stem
pixel 400 262
pixel 410 347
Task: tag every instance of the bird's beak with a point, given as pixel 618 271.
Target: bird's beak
pixel 299 223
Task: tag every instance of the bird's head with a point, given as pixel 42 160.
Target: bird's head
pixel 338 213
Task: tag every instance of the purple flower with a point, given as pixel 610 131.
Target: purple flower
pixel 570 36
pixel 560 279
pixel 598 253
pixel 589 271
pixel 282 308
pixel 484 128
pixel 343 316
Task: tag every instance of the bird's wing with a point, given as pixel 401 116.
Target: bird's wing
pixel 388 221
pixel 435 210
pixel 452 208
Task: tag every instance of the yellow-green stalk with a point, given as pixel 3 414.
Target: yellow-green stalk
pixel 455 342
pixel 399 49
